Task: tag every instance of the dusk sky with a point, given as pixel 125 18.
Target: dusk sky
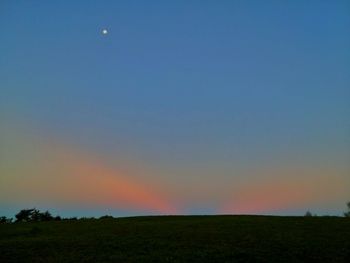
pixel 183 107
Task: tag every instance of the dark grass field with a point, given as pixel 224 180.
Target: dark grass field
pixel 179 239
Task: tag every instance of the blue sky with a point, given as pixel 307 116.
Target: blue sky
pixel 184 87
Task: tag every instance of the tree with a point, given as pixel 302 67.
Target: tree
pixel 308 214
pixel 347 214
pixel 38 216
pixel 5 220
pixel 34 215
pixel 24 215
pixel 46 216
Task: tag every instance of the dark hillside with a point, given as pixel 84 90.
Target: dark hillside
pixel 179 239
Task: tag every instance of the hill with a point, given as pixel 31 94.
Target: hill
pixel 179 239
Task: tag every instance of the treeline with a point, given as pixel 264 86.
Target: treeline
pixel 35 215
pixel 346 214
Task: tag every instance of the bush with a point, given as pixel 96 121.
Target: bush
pixel 5 220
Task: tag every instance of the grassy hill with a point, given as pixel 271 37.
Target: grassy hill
pixel 179 239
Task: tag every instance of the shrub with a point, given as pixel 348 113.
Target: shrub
pixel 5 220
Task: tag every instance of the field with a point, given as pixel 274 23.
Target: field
pixel 179 239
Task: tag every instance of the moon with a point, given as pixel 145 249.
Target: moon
pixel 104 31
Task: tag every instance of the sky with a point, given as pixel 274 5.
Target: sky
pixel 184 107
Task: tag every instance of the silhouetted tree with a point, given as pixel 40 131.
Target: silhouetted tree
pixel 46 216
pixel 308 214
pixel 347 214
pixel 34 215
pixel 5 220
pixel 24 215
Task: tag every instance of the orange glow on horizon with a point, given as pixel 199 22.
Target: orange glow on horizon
pixel 276 194
pixel 103 185
pixel 69 176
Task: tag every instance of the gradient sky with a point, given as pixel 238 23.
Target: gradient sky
pixel 184 107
